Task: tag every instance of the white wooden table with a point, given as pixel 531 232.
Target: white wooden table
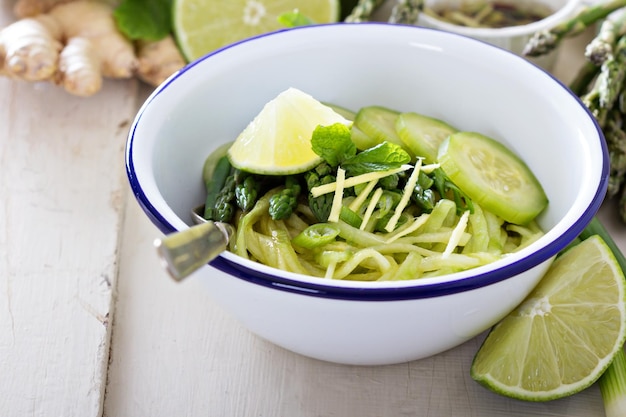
pixel 91 326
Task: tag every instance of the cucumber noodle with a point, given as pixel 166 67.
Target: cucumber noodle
pixel 370 256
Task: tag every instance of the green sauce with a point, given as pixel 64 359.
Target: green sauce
pixel 487 14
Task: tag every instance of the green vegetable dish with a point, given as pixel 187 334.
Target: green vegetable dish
pixel 397 196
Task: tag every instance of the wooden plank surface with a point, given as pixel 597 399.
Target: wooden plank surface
pixel 63 194
pixel 175 353
pixel 67 223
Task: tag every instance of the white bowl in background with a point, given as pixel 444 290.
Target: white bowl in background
pixel 470 84
pixel 513 38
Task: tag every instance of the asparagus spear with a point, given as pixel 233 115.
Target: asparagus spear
pixel 611 77
pixel 423 195
pixel 605 90
pixel 214 182
pixel 591 99
pixel 246 191
pixel 363 11
pixel 224 209
pixel 616 144
pixel 406 11
pixel 320 175
pixel 600 49
pixel 586 74
pixel 284 203
pixel 390 182
pixel 545 41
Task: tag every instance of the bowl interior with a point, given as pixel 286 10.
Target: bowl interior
pixel 472 85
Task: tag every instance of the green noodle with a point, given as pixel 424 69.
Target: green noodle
pixel 370 256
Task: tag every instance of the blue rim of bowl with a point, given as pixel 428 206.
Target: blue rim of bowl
pixel 365 293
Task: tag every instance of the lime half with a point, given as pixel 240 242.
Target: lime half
pixel 202 26
pixel 564 335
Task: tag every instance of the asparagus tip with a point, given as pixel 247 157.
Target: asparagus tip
pixel 540 43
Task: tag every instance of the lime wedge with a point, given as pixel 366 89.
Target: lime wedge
pixel 564 335
pixel 202 26
pixel 278 140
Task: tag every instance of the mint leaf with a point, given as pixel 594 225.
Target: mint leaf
pixel 381 157
pixel 144 19
pixel 294 18
pixel 333 143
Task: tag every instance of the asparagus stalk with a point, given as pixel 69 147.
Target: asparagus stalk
pixel 224 209
pixel 616 144
pixel 545 41
pixel 284 203
pixel 247 192
pixel 406 11
pixel 363 11
pixel 423 195
pixel 320 175
pixel 214 182
pixel 591 99
pixel 600 49
pixel 611 77
pixel 586 74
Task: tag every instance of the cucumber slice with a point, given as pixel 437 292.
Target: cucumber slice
pixel 379 124
pixel 423 134
pixel 346 113
pixel 492 176
pixel 360 139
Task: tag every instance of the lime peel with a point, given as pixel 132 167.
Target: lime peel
pixel 563 337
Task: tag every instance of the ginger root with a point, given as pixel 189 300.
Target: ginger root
pixel 30 48
pixel 158 60
pixel 75 44
pixel 79 67
pixel 94 21
pixel 29 8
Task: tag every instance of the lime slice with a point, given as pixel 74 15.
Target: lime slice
pixel 564 335
pixel 202 26
pixel 278 140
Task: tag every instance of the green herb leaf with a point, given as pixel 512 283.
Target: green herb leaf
pixel 294 18
pixel 144 19
pixel 333 143
pixel 381 157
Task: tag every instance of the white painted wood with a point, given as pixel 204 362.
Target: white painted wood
pixel 175 353
pixel 67 221
pixel 63 193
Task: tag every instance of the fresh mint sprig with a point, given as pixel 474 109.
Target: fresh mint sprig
pixel 294 19
pixel 334 145
pixel 149 20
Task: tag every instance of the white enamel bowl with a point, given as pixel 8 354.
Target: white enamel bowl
pixel 513 38
pixel 468 83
